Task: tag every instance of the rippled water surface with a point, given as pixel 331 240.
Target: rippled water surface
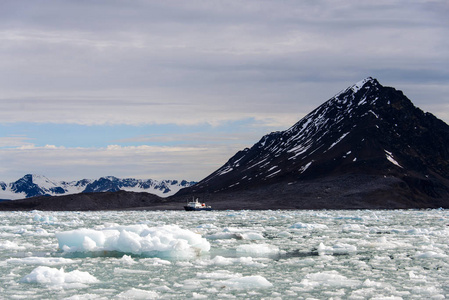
pixel 225 255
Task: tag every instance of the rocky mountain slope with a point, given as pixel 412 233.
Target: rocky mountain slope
pixel 37 185
pixel 366 131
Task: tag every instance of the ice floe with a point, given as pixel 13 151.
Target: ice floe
pixel 43 261
pixel 164 241
pixel 246 282
pixel 338 248
pixel 300 225
pixel 52 276
pixel 137 294
pixel 328 278
pixel 257 249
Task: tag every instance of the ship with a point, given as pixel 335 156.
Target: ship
pixel 194 205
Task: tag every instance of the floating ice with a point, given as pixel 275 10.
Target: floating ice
pixel 247 282
pixel 8 245
pixel 339 248
pixel 235 235
pixel 127 260
pixel 155 261
pixel 165 241
pixel 387 255
pixel 219 274
pixel 52 276
pixel 284 234
pixel 328 278
pixel 351 227
pixel 308 226
pixel 258 249
pixel 138 294
pixel 430 254
pixel 45 219
pixel 46 261
pixel 85 297
pixel 225 236
pixel 228 261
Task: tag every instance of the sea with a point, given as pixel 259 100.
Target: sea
pixel 279 254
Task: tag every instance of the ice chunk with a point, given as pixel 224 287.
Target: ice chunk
pixel 8 245
pixel 247 282
pixel 258 249
pixel 430 254
pixel 138 294
pixel 198 296
pixel 227 261
pixel 51 276
pixel 328 278
pixel 46 261
pixel 127 260
pixel 155 261
pixel 338 248
pixel 234 233
pixel 284 234
pixel 224 236
pixel 45 219
pixel 308 226
pixel 165 241
pixel 219 274
pixel 84 297
pixel 351 227
pixel 252 236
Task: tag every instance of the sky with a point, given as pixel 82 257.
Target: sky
pixel 173 89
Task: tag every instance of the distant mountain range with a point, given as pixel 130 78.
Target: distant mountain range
pixel 32 185
pixel 368 147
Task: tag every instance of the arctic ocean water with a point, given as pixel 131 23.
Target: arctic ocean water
pixel 225 255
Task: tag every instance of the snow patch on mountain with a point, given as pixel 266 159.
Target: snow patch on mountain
pixel 391 159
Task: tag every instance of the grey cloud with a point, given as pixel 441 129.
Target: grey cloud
pixel 239 56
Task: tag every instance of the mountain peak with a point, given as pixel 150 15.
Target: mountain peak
pixel 359 85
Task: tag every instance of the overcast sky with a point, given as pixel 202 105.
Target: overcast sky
pixel 172 89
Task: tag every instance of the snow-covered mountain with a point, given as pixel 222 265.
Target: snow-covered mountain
pixel 32 185
pixel 365 130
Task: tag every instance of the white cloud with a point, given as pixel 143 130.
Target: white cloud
pixel 14 141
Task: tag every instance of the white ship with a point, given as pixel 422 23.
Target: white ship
pixel 195 205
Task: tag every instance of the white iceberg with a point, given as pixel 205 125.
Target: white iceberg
pixel 165 241
pixel 51 276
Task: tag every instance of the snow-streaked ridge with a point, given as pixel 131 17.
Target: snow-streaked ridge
pixel 315 132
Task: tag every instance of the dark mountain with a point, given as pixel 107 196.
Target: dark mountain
pixel 26 186
pixel 366 147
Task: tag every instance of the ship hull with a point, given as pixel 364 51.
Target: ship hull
pixel 188 208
